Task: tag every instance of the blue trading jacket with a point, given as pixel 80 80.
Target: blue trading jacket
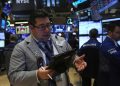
pixel 91 51
pixel 91 43
pixel 111 51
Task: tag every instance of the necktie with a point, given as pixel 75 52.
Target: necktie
pixel 48 50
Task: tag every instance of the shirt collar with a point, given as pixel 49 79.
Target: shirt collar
pixel 111 38
pixel 115 42
pixel 39 40
pixel 35 39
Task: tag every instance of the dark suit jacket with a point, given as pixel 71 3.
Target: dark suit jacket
pixel 112 53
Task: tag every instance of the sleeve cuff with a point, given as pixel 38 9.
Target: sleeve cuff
pixel 37 77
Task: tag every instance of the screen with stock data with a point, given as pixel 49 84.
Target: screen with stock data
pixel 86 26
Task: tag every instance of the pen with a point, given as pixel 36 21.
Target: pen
pixel 47 74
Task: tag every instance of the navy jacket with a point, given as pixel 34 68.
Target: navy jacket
pixel 91 50
pixel 111 51
pixel 91 43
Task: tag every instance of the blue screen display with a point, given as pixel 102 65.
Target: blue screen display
pixel 3 23
pixel 2 35
pixel 58 28
pixel 76 3
pixel 11 30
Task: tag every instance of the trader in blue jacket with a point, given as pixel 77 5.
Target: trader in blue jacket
pixel 91 51
pixel 111 50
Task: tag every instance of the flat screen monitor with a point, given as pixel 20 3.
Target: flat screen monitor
pixel 59 28
pixel 2 35
pixel 2 24
pixel 22 30
pixel 84 39
pixel 86 26
pixel 2 43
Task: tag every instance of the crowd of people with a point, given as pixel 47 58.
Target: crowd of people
pixel 102 58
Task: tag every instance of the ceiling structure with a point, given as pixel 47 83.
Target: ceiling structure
pixel 112 12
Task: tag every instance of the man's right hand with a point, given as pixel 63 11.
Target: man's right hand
pixel 43 73
pixel 79 62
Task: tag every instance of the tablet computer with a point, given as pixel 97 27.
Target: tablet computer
pixel 61 62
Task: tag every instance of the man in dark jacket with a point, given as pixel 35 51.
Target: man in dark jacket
pixel 91 50
pixel 9 48
pixel 111 51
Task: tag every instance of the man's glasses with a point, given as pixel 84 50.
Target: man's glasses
pixel 43 27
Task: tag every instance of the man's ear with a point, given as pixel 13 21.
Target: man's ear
pixel 31 26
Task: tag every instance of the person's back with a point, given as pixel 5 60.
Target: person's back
pixel 91 51
pixel 73 41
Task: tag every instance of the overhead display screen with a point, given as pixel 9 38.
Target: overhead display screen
pixel 2 35
pixel 59 28
pixel 86 26
pixel 22 30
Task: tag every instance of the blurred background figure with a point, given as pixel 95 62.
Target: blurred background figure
pixel 91 51
pixel 9 48
pixel 73 40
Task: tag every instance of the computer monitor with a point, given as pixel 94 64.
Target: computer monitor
pixel 22 30
pixel 59 28
pixel 2 35
pixel 2 43
pixel 84 39
pixel 86 26
pixel 2 23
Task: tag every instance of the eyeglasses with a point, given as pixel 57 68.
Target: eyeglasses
pixel 43 27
